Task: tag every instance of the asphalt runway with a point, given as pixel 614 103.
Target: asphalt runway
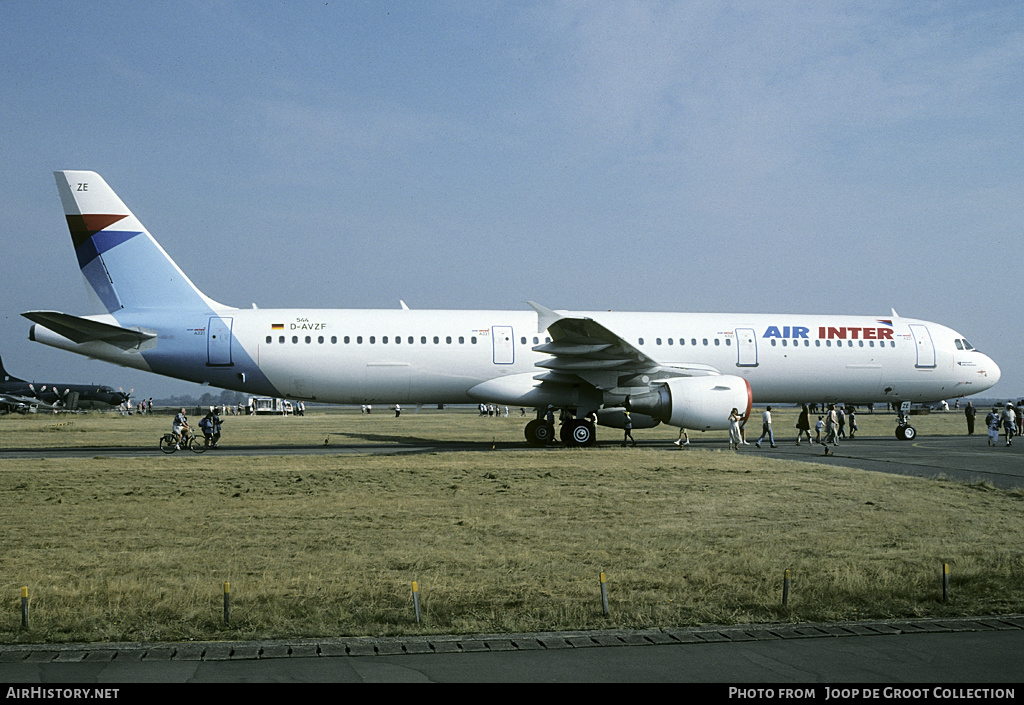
pixel 949 651
pixel 960 458
pixel 978 650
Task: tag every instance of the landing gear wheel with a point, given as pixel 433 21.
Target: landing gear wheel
pixel 539 433
pixel 578 432
pixel 906 433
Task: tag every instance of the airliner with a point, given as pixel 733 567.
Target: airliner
pixel 688 370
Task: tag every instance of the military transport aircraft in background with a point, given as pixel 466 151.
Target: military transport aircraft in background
pixel 685 369
pixel 21 395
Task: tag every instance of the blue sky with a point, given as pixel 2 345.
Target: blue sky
pixel 786 157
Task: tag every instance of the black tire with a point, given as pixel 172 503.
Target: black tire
pixel 197 444
pixel 906 432
pixel 167 443
pixel 539 433
pixel 580 433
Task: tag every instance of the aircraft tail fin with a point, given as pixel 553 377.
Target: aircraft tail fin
pixel 5 377
pixel 122 262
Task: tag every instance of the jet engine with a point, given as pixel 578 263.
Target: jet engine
pixel 616 418
pixel 699 403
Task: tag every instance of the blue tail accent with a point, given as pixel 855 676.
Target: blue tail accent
pixel 122 262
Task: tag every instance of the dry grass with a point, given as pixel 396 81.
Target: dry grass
pixel 139 549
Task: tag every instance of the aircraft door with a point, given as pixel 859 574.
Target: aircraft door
pixel 924 344
pixel 746 347
pixel 218 341
pixel 504 345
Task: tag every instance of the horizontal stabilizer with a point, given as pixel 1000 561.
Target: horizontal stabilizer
pixel 85 330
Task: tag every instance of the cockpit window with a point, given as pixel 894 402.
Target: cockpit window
pixel 959 344
pixel 968 346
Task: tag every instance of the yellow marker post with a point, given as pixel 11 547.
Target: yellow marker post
pixel 785 588
pixel 24 606
pixel 604 593
pixel 945 581
pixel 416 600
pixel 227 603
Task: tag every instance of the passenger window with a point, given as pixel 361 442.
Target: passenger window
pixel 269 338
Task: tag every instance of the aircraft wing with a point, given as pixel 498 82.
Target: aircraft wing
pixel 18 399
pixel 583 349
pixel 85 330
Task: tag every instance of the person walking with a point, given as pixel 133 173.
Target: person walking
pixel 970 412
pixel 734 430
pixel 1009 423
pixel 992 422
pixel 831 426
pixel 766 427
pixel 628 428
pixel 803 425
pixel 683 440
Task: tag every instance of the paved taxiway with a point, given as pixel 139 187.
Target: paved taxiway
pixel 938 651
pixel 960 458
pixel 912 651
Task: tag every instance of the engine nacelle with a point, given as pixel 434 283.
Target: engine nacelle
pixel 616 418
pixel 699 403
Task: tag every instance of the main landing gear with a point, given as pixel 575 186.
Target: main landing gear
pixel 574 432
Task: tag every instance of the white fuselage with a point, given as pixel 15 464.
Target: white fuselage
pixel 424 356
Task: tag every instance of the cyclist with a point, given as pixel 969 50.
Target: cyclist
pixel 178 428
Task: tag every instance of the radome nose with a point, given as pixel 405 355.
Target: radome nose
pixel 992 372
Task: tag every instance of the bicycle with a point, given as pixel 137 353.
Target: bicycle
pixel 168 443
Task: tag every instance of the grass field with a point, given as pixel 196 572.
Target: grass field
pixel 329 545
